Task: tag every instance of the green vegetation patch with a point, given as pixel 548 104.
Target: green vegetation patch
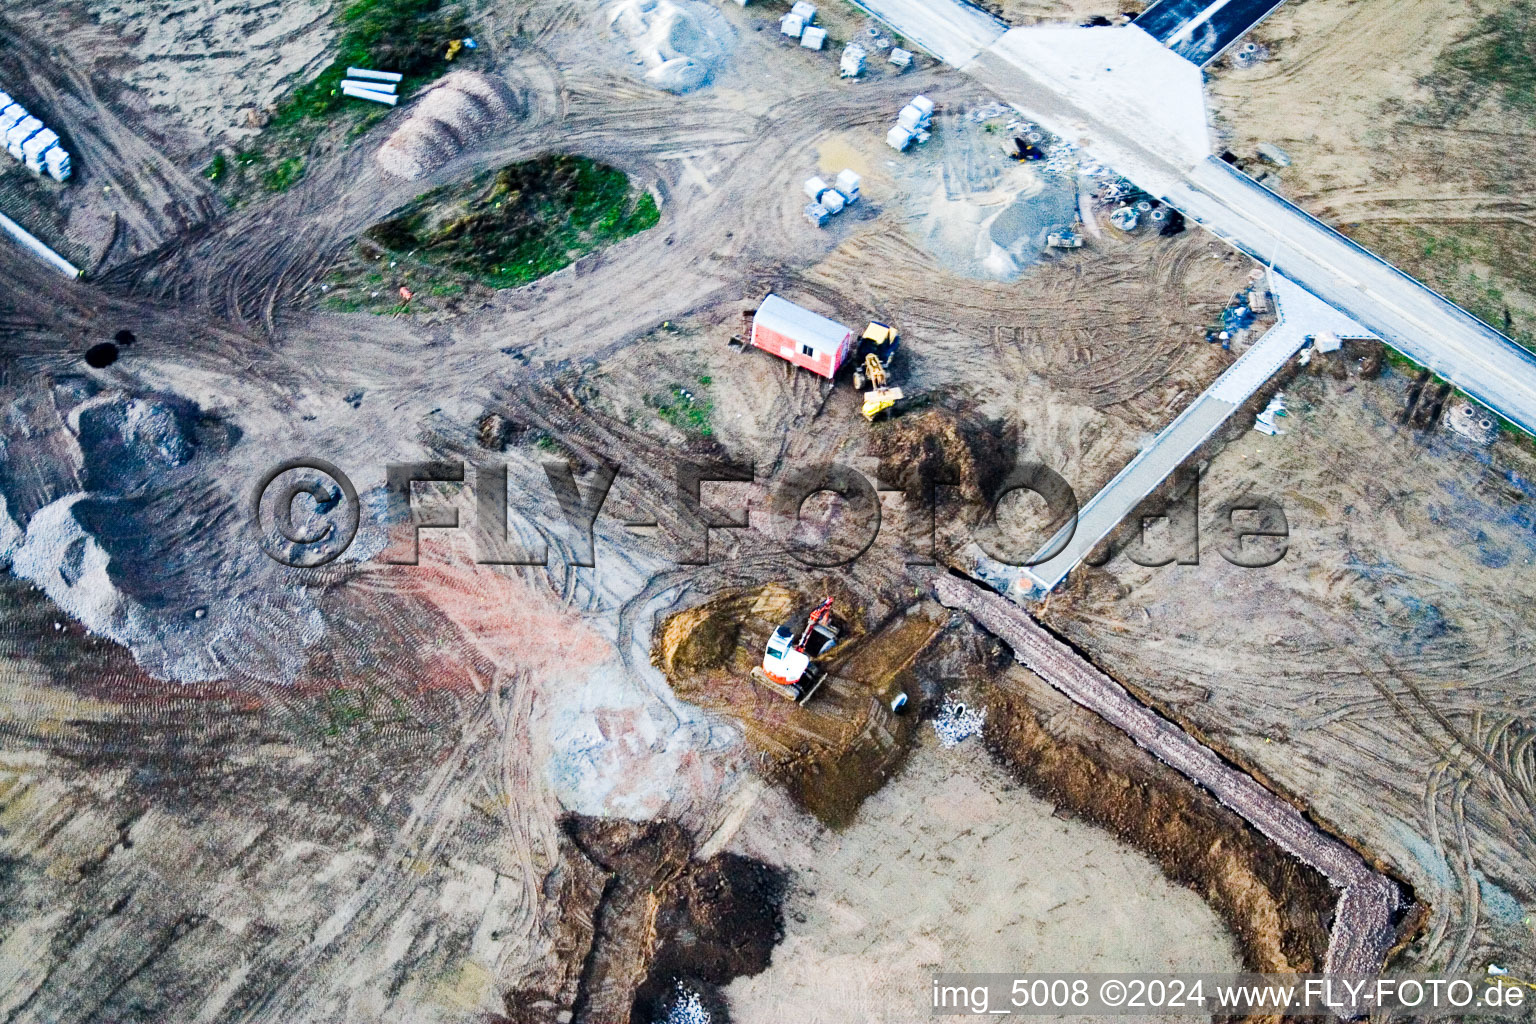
pixel 410 37
pixel 451 247
pixel 1502 53
pixel 508 227
pixel 406 36
pixel 687 409
pixel 1483 268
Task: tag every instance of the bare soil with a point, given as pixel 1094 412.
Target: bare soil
pixel 1395 147
pixel 378 835
pixel 1398 611
pixel 831 753
pixel 1278 909
pixel 954 866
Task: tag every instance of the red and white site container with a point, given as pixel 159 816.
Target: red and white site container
pixel 804 338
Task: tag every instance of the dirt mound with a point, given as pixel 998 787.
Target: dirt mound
pixel 678 44
pixel 721 920
pixel 706 636
pixel 453 114
pixel 936 444
pixel 844 744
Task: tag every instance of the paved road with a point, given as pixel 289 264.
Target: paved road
pixel 1093 87
pixel 1403 313
pixel 1399 310
pixel 953 32
pixel 1199 30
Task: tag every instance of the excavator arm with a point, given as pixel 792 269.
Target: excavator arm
pixel 821 616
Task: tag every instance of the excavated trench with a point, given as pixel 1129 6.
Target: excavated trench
pixel 649 924
pixel 847 742
pixel 1273 878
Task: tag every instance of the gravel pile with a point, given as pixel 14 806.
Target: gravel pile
pixel 462 108
pixel 956 722
pixel 676 44
pixel 688 1009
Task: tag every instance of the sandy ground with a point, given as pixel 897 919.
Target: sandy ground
pixel 435 723
pixel 217 64
pixel 954 867
pixel 376 837
pixel 1382 667
pixel 1387 148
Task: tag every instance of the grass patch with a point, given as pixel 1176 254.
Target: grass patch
pixel 686 409
pixel 407 36
pixel 512 226
pixel 282 176
pixel 1502 54
pixel 1481 269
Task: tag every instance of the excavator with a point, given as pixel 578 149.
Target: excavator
pixel 876 350
pixel 787 667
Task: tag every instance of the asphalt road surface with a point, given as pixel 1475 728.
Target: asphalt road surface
pixel 1402 312
pixel 1199 30
pixel 1154 463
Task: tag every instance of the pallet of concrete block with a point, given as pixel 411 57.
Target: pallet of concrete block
pixel 27 139
pixel 828 201
pixel 917 115
pixel 799 20
pixel 912 124
pixel 848 184
pixel 852 63
pixel 825 196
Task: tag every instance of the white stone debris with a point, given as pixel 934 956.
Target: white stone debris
pixel 956 722
pixel 688 1009
pixel 679 43
pixel 852 63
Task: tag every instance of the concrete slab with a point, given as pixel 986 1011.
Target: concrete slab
pixel 1156 462
pixel 952 31
pixel 1126 77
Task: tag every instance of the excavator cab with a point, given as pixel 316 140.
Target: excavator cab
pixel 787 667
pixel 783 664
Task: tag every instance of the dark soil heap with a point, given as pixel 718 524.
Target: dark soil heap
pixel 664 922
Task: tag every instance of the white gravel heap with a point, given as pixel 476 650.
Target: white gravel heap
pixel 956 722
pixel 688 1009
pixel 678 44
